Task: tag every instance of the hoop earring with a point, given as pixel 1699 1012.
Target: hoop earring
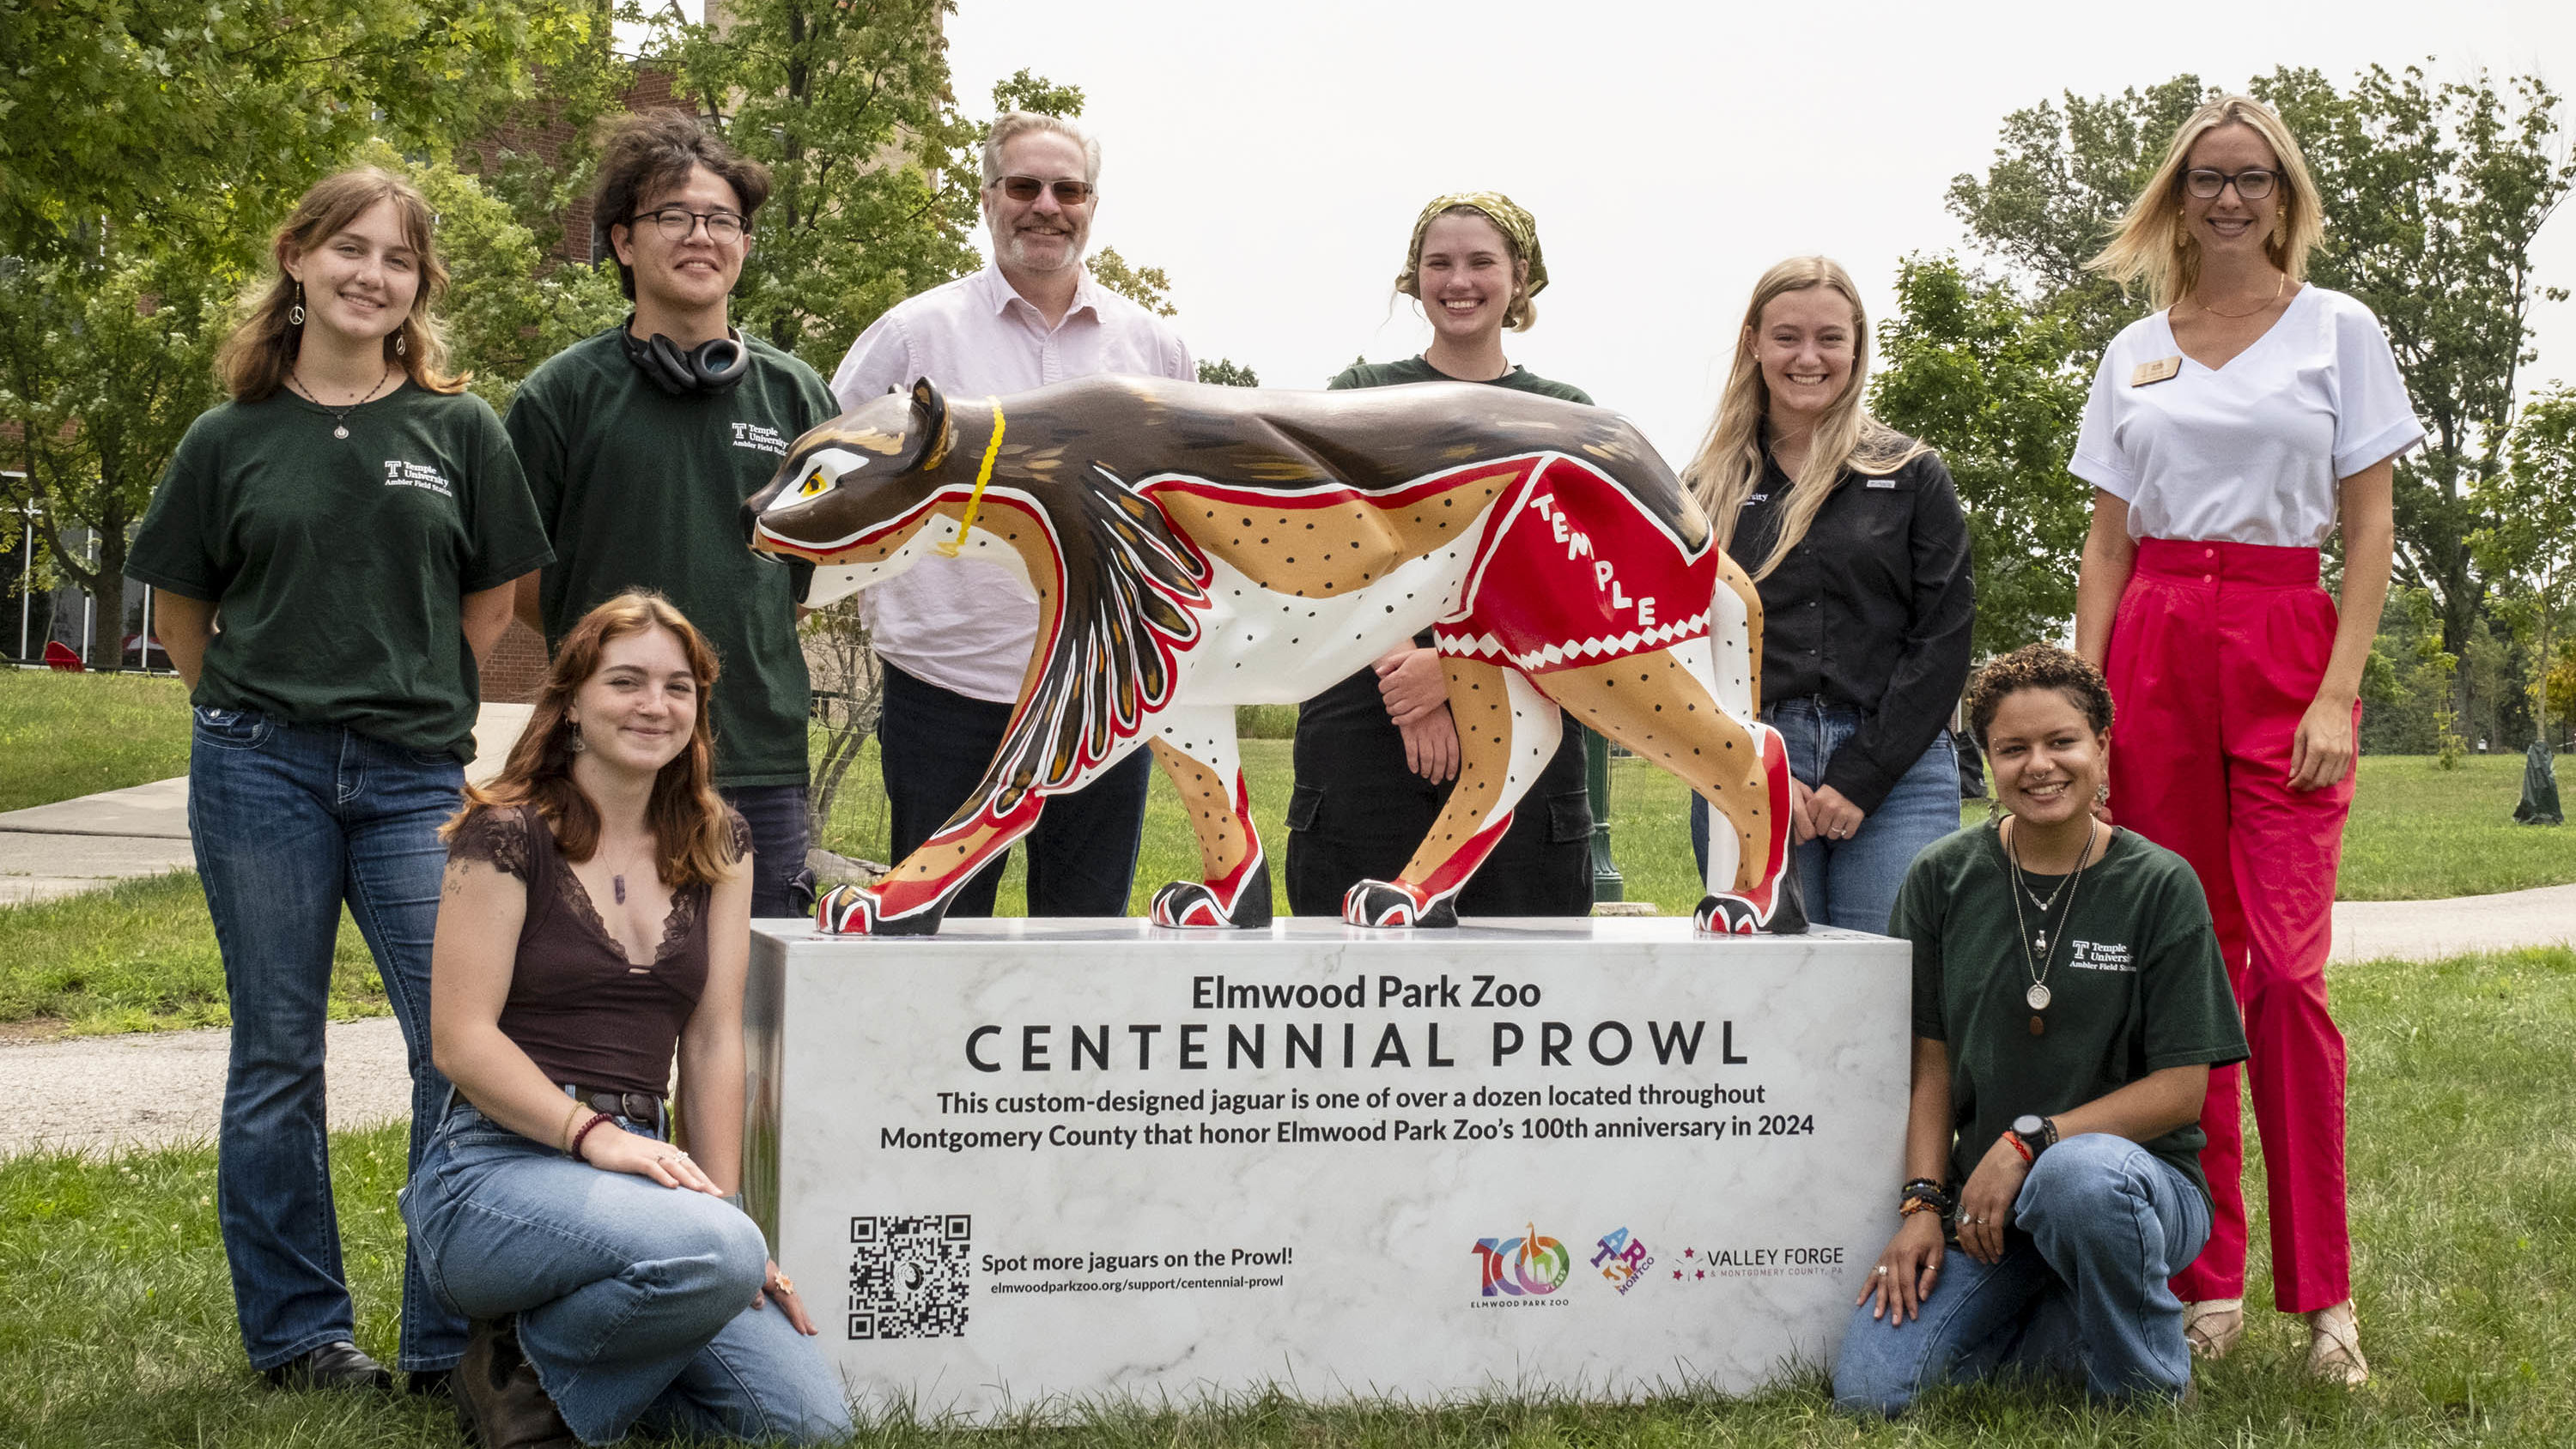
pixel 399 345
pixel 576 744
pixel 295 314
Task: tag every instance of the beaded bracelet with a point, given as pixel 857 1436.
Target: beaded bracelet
pixel 574 1151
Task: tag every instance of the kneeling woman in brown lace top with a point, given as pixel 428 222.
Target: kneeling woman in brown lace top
pixel 595 917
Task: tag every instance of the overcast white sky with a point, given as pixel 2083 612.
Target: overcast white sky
pixel 1271 157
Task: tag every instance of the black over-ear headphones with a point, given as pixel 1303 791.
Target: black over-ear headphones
pixel 709 367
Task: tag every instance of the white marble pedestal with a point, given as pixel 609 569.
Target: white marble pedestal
pixel 1028 1161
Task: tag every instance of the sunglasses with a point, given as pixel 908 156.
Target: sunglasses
pixel 1026 188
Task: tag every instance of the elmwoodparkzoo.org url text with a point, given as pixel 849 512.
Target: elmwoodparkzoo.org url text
pixel 1136 1285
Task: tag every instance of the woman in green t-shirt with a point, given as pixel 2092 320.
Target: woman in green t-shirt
pixel 329 552
pixel 1376 754
pixel 2069 1002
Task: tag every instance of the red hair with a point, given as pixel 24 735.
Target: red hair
pixel 692 839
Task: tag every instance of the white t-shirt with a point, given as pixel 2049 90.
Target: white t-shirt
pixel 2249 453
pixel 961 623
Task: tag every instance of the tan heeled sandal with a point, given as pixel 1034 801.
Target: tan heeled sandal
pixel 2334 1347
pixel 2212 1326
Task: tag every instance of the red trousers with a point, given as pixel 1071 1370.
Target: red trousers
pixel 2216 653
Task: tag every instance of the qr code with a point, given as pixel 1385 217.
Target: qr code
pixel 908 1276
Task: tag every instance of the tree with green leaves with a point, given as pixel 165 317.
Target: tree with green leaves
pixel 1147 287
pixel 2432 194
pixel 1226 372
pixel 104 361
pixel 211 119
pixel 2529 547
pixel 1966 364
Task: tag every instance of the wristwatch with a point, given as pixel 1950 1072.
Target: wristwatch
pixel 2039 1132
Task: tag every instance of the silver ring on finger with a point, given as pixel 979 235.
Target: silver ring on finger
pixel 1879 1272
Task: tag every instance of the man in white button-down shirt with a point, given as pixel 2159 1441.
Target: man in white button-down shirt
pixel 955 635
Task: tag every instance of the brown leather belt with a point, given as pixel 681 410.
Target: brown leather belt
pixel 641 1107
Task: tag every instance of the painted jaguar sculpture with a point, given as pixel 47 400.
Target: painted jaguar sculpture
pixel 1192 548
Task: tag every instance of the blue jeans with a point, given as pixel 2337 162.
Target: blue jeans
pixel 1851 884
pixel 780 834
pixel 289 822
pixel 936 745
pixel 2101 1223
pixel 633 1299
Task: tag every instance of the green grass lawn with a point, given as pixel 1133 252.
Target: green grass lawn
pixel 2417 832
pixel 2420 832
pixel 116 1318
pixel 141 956
pixel 63 735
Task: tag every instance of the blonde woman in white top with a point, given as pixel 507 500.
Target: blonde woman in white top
pixel 2227 437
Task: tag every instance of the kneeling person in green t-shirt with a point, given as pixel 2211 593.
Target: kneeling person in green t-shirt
pixel 2069 1001
pixel 641 443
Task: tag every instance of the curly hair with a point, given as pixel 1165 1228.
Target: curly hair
pixel 2038 666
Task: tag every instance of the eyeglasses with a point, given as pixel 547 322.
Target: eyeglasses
pixel 1026 188
pixel 2252 184
pixel 677 223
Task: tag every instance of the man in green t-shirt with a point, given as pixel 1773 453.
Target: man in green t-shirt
pixel 640 445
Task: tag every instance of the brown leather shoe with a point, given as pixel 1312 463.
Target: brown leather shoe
pixel 499 1402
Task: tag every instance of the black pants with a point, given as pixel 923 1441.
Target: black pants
pixel 936 745
pixel 1359 814
pixel 780 835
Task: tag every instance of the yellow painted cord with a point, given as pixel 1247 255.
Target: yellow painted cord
pixel 983 475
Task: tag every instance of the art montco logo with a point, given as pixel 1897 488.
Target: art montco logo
pixel 1622 1259
pixel 1527 1268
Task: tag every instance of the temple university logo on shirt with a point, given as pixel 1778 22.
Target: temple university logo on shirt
pixel 2101 956
pixel 399 474
pixel 760 438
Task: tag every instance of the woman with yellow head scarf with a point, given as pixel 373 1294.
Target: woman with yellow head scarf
pixel 1376 754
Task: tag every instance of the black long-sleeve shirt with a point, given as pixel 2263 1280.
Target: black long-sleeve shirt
pixel 1872 610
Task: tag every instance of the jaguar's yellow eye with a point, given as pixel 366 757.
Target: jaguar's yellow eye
pixel 815 483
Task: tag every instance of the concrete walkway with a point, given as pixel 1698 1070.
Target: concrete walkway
pixel 55 850
pixel 158 1089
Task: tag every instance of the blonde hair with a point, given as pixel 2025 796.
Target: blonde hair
pixel 1729 463
pixel 2152 243
pixel 255 359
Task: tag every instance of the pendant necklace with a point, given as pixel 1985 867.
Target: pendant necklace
pixel 340 416
pixel 2036 949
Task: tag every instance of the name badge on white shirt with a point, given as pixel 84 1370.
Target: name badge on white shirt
pixel 2163 369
